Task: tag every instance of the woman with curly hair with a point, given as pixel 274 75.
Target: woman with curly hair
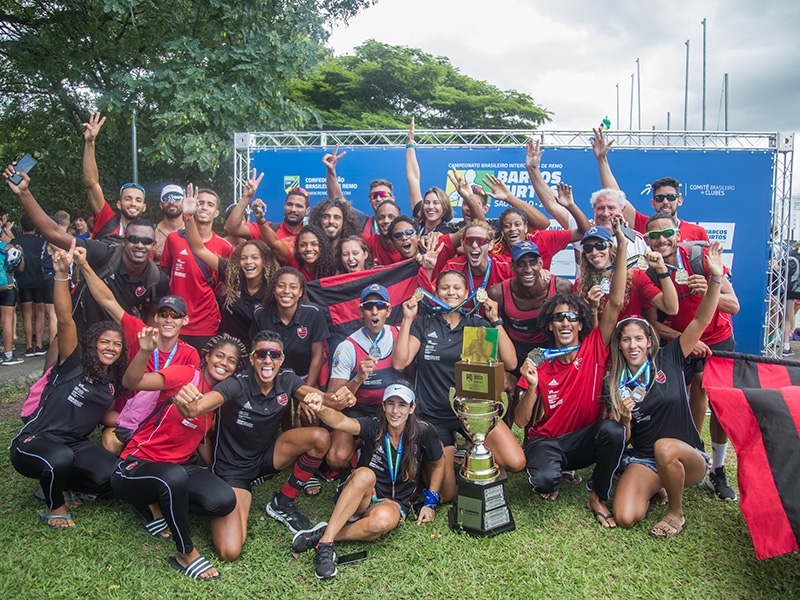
pixel 598 257
pixel 156 465
pixel 300 324
pixel 352 255
pixel 54 445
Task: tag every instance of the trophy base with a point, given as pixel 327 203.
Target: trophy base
pixel 481 509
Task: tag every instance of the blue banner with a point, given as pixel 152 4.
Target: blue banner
pixel 727 192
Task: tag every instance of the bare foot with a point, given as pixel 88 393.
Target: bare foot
pixel 552 496
pixel 601 512
pixel 571 476
pixel 659 498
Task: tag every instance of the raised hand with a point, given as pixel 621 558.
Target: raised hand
pixel 714 260
pixel 63 259
pixel 20 187
pixel 330 160
pixel 366 366
pixel 410 137
pixel 148 339
pixel 190 200
pixel 499 190
pixel 533 154
pixel 79 256
pixel 530 373
pixel 564 197
pixel 461 184
pixel 410 308
pixel 92 128
pixel 655 260
pixel 600 145
pixel 259 210
pixel 490 308
pixel 250 186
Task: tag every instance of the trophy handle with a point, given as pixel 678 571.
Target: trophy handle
pixel 452 398
pixel 504 404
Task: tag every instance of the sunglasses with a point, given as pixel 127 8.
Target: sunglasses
pixel 476 189
pixel 599 246
pixel 662 197
pixel 135 239
pixel 168 313
pixel 125 186
pixel 657 233
pixel 263 353
pixel 472 240
pixel 298 191
pixel 379 194
pixel 399 235
pixel 172 198
pixel 569 316
pixel 373 304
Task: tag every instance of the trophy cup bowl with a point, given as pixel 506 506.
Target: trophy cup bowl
pixel 479 417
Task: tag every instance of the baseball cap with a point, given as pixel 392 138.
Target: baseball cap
pixel 168 190
pixel 398 390
pixel 598 231
pixel 377 289
pixel 176 303
pixel 520 249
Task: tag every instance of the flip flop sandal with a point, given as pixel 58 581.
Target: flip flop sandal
pixel 194 569
pixel 157 527
pixel 459 456
pixel 312 487
pixel 571 476
pixel 47 519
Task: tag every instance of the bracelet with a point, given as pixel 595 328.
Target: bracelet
pixel 496 323
pixel 717 281
pixel 261 222
pixel 431 498
pixel 411 145
pixel 62 280
pixel 663 275
pixel 594 314
pixel 188 217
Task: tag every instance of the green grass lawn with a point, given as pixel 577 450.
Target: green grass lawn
pixel 557 551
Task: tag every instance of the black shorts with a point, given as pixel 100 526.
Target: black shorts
pixel 47 290
pixel 447 429
pixel 696 365
pixel 243 478
pixel 31 294
pixel 8 297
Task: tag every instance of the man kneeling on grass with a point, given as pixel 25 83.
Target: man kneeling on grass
pixel 379 494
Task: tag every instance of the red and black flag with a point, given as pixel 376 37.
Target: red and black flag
pixel 339 296
pixel 757 402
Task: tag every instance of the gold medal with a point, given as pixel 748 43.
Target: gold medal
pixel 481 296
pixel 537 356
pixel 642 263
pixel 419 294
pixel 681 276
pixel 605 286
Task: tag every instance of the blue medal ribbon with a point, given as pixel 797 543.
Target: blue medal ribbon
pixel 551 353
pixel 394 468
pixel 169 358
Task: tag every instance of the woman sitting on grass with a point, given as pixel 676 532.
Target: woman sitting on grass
pixel 156 464
pixel 54 445
pixel 379 493
pixel 650 399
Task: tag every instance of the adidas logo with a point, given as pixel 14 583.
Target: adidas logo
pixel 183 252
pixel 553 382
pixel 247 405
pixel 432 334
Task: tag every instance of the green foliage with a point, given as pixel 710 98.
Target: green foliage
pixel 196 71
pixel 382 87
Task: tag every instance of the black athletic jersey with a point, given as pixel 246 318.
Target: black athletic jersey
pixel 440 349
pixel 72 409
pixel 31 245
pixel 427 446
pixel 237 316
pixel 664 411
pixel 306 327
pixel 248 421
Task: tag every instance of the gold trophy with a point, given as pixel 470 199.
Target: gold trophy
pixel 479 402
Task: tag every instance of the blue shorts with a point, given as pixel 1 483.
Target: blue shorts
pixel 650 463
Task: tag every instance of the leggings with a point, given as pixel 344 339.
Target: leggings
pixel 78 466
pixel 179 491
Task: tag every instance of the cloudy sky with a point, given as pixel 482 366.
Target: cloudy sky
pixel 569 55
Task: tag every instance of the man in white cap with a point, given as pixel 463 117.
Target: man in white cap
pixel 172 207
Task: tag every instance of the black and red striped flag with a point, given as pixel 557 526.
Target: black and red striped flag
pixel 757 401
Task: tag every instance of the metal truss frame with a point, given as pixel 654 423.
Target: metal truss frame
pixel 781 144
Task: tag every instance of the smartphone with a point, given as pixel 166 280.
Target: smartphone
pixel 628 233
pixel 24 165
pixel 346 559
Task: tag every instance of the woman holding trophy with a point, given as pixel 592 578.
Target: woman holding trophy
pixel 435 342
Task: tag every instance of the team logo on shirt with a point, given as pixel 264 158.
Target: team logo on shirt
pixel 577 363
pixel 302 332
pixel 132 465
pixel 140 291
pixel 335 361
pixel 660 377
pixel 282 399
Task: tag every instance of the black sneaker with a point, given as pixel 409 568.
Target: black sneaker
pixel 718 482
pixel 325 561
pixel 11 360
pixel 40 351
pixel 30 352
pixel 309 538
pixel 287 514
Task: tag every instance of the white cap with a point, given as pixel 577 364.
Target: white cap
pixel 171 189
pixel 401 391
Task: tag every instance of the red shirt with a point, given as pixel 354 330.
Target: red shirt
pixel 689 231
pixel 104 216
pixel 291 261
pixel 643 290
pixel 499 271
pixel 284 234
pixel 169 437
pixel 549 241
pixel 571 392
pixel 381 257
pixel 187 280
pixel 721 326
pixel 184 353
pixel 447 253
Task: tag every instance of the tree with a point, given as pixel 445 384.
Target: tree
pixel 382 87
pixel 195 70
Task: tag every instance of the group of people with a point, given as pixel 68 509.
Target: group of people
pixel 209 370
